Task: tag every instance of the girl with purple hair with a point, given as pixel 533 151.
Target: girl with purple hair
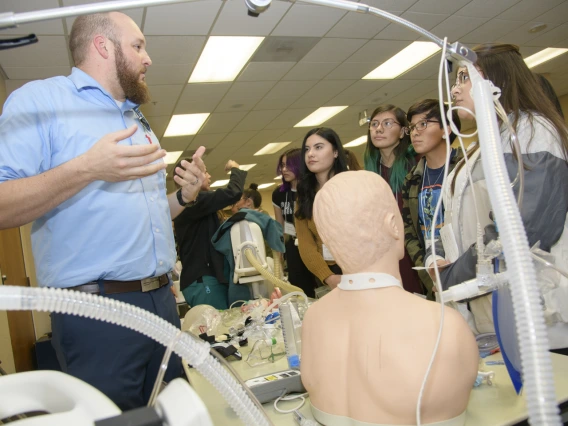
pixel 283 200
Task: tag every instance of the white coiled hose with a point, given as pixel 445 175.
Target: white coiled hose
pixel 123 314
pixel 267 275
pixel 535 359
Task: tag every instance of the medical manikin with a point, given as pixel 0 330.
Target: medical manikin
pixel 367 344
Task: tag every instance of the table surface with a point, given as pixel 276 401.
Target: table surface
pixel 494 405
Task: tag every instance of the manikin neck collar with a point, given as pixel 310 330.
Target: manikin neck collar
pixel 367 280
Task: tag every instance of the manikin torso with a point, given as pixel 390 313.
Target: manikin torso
pixel 365 352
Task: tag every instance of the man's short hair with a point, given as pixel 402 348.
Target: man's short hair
pixel 84 29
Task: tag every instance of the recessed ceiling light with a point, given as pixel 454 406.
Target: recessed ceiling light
pixel 272 148
pixel 244 167
pixel 356 142
pixel 319 116
pixel 265 185
pixel 537 28
pixel 185 124
pixel 172 157
pixel 223 58
pixel 407 58
pixel 543 56
pixel 219 183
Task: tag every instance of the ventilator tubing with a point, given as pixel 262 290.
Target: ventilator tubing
pixel 535 359
pixel 277 282
pixel 104 309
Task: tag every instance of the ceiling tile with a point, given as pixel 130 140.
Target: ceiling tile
pixel 234 19
pixel 168 74
pixel 356 92
pixel 455 27
pixel 307 20
pixel 398 32
pixel 388 91
pixel 485 8
pixel 294 134
pixel 179 143
pixel 240 104
pixel 249 89
pixel 378 51
pixel 159 125
pixel 51 51
pixel 257 120
pixel 36 73
pixel 552 38
pixel 310 71
pixel 490 31
pixel 208 141
pixel 289 89
pixel 163 100
pixel 356 25
pixel 181 19
pixel 322 92
pixel 526 10
pixel 53 27
pixel 222 122
pixel 521 35
pixel 135 14
pixel 175 50
pixel 427 68
pixel 438 6
pixel 201 97
pixel 289 118
pixel 351 71
pixel 555 15
pixel 280 103
pixel 267 136
pixel 347 116
pixel 265 71
pixel 237 138
pixel 333 50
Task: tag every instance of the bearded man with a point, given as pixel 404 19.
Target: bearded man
pixel 79 160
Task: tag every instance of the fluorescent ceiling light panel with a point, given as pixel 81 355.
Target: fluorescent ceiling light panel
pixel 223 58
pixel 278 177
pixel 319 116
pixel 244 167
pixel 272 148
pixel 543 56
pixel 172 157
pixel 185 124
pixel 218 183
pixel 265 185
pixel 356 142
pixel 407 58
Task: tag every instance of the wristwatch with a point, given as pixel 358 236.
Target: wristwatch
pixel 183 203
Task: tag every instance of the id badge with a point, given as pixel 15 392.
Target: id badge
pixel 327 254
pixel 449 241
pixel 289 229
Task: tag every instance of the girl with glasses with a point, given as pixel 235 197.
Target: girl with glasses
pixel 323 158
pixel 284 200
pixel 543 139
pixel 389 153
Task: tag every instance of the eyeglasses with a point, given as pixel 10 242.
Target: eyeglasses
pixel 420 126
pixel 461 79
pixel 386 124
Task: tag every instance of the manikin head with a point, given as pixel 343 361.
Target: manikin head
pixel 358 219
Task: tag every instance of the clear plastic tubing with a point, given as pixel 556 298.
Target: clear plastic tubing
pixel 535 359
pixel 123 314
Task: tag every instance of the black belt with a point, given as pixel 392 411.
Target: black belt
pixel 116 287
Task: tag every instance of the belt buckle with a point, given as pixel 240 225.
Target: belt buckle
pixel 149 284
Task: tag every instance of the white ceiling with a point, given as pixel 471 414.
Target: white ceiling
pixel 324 55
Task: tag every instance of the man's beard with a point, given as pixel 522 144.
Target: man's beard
pixel 134 89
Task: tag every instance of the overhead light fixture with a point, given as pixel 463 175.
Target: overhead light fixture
pixel 407 58
pixel 218 183
pixel 265 185
pixel 185 124
pixel 272 148
pixel 244 167
pixel 172 157
pixel 543 56
pixel 223 58
pixel 278 177
pixel 321 115
pixel 356 142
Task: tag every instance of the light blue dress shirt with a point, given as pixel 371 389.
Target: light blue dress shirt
pixel 113 231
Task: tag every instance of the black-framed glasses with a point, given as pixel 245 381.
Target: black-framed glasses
pixel 420 126
pixel 386 124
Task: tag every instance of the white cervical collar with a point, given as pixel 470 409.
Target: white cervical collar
pixel 367 280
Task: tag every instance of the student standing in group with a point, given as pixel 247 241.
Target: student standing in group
pixel 422 186
pixel 284 201
pixel 389 153
pixel 323 158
